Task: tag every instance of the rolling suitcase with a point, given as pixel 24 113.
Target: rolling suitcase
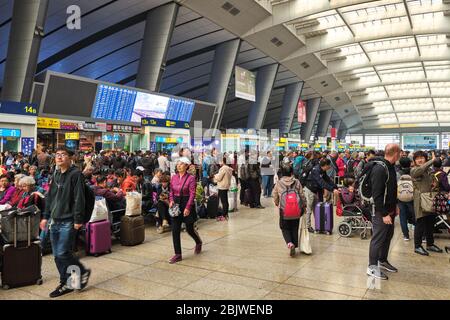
pixel 98 238
pixel 21 261
pixel 132 230
pixel 212 207
pixel 323 217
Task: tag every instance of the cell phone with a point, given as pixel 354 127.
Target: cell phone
pixel 336 180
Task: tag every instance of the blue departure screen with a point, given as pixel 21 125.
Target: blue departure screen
pixel 122 104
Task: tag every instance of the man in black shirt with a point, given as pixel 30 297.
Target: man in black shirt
pixel 384 194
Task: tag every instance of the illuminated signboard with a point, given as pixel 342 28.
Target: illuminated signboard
pixel 10 133
pixel 149 122
pixel 24 109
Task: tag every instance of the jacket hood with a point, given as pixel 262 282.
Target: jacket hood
pixel 287 181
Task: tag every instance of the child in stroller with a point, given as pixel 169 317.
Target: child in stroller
pixel 357 216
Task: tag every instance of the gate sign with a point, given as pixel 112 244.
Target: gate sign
pixel 27 146
pixel 301 108
pixel 20 108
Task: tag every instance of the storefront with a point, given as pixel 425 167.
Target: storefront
pixel 122 137
pixel 17 127
pixel 165 135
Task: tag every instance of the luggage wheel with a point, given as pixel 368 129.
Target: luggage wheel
pixel 363 236
pixel 109 251
pixel 328 233
pixel 96 255
pixel 39 282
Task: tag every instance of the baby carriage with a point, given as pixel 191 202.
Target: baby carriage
pixel 357 216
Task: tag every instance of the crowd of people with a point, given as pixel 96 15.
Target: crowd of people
pixel 56 183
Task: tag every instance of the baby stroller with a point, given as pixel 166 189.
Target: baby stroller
pixel 357 216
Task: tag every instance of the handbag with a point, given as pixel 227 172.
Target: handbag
pixel 426 201
pixel 305 243
pixel 100 211
pixel 134 204
pixel 175 210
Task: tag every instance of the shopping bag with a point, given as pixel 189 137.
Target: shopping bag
pixel 100 211
pixel 134 204
pixel 305 244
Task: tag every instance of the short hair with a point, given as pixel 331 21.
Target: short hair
pixel 419 154
pixel 66 150
pixel 165 178
pixel 157 170
pixel 101 179
pixel 437 163
pixel 371 152
pixel 137 173
pixel 33 167
pixel 4 176
pixel 405 162
pixel 120 173
pixel 286 170
pixel 325 162
pixel 27 181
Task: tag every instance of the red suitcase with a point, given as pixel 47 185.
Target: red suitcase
pixel 98 238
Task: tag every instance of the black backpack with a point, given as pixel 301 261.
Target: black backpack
pixel 364 183
pixel 306 170
pixel 89 196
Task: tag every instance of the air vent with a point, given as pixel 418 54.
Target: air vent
pixel 276 42
pixel 325 85
pixel 337 98
pixel 231 9
pixel 227 6
pixel 323 82
pixel 305 65
pixel 235 11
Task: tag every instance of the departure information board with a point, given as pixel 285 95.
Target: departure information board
pixel 122 104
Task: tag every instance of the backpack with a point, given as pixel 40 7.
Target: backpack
pixel 213 168
pixel 89 202
pixel 405 189
pixel 290 203
pixel 347 196
pixel 306 170
pixel 350 168
pixel 365 184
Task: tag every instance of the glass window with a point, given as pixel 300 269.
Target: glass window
pixel 10 144
pixel 379 142
pixel 354 137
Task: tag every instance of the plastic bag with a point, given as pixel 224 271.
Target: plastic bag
pixel 100 211
pixel 305 243
pixel 134 204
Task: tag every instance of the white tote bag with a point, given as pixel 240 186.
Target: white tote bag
pixel 305 244
pixel 134 204
pixel 100 211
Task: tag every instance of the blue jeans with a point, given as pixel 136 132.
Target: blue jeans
pixel 62 236
pixel 267 185
pixel 406 215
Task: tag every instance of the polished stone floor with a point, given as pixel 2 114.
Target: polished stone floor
pixel 246 258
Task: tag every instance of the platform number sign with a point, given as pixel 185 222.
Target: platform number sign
pixel 27 145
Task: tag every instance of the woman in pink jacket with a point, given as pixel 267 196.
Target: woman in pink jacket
pixel 182 193
pixel 341 165
pixel 6 190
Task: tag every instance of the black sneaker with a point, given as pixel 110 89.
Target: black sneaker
pixel 85 279
pixel 434 248
pixel 420 250
pixel 61 290
pixel 374 271
pixel 388 267
pixel 311 230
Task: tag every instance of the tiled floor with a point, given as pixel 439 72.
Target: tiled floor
pixel 246 258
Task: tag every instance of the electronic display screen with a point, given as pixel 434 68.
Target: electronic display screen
pixel 123 104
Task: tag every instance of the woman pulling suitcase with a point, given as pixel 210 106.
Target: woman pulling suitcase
pixel 182 208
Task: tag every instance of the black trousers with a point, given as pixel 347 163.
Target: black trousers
pixel 255 187
pixel 244 185
pixel 223 196
pixel 176 233
pixel 424 228
pixel 381 240
pixel 289 229
pixel 163 212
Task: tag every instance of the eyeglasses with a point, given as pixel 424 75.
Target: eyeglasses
pixel 61 155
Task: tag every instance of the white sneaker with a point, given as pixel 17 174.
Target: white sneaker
pixel 374 271
pixel 406 238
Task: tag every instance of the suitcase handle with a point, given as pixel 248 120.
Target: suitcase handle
pixel 28 231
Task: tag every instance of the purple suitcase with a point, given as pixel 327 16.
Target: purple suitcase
pixel 323 217
pixel 98 237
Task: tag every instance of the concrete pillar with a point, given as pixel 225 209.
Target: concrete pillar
pixel 265 80
pixel 159 27
pixel 324 122
pixel 290 103
pixel 224 62
pixel 342 133
pixel 23 27
pixel 337 124
pixel 312 106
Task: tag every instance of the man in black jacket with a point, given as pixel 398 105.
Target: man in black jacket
pixel 64 209
pixel 384 195
pixel 316 183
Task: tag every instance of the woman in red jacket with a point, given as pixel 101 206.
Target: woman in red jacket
pixel 341 166
pixel 182 193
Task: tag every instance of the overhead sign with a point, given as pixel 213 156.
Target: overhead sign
pixel 72 136
pixel 10 133
pixel 67 125
pixel 27 146
pixel 92 126
pixel 245 84
pixel 20 108
pixel 301 111
pixel 48 123
pixel 150 122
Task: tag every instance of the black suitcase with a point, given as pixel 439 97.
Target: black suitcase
pixel 21 262
pixel 212 207
pixel 132 230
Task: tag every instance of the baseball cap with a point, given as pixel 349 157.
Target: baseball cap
pixel 184 160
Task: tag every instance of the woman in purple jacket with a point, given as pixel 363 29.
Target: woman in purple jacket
pixel 182 192
pixel 6 190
